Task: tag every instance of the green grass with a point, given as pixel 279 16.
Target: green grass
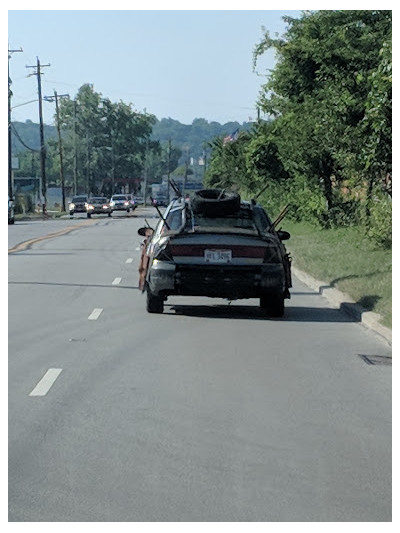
pixel 346 260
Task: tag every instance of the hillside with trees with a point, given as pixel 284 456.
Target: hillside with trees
pixel 109 142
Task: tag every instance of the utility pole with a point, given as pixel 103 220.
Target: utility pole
pixel 75 152
pixel 186 172
pixel 169 164
pixel 145 173
pixel 51 99
pixel 10 174
pixel 88 164
pixel 42 146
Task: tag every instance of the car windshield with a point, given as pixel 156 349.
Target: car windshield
pixel 79 199
pixel 99 200
pixel 242 222
pixel 119 197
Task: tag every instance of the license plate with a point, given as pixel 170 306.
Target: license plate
pixel 218 256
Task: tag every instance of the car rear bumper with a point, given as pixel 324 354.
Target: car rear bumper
pixel 216 281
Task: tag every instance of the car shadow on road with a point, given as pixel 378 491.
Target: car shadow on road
pixel 82 285
pixel 248 312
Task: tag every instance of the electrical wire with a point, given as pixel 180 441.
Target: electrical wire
pixel 21 141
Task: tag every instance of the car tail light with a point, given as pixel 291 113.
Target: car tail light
pixel 162 250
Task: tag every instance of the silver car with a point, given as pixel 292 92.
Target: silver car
pixel 120 202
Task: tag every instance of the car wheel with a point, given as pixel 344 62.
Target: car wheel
pixel 155 304
pixel 109 214
pixel 274 305
pixel 89 215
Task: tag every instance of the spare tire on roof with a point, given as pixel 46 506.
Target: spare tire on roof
pixel 215 202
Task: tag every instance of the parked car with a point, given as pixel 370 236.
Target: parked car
pixel 120 202
pixel 11 215
pixel 218 246
pixel 99 205
pixel 78 205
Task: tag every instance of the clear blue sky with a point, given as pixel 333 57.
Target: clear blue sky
pixel 178 64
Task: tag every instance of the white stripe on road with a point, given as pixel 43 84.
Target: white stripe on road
pixel 138 249
pixel 95 314
pixel 129 260
pixel 44 385
pixel 116 281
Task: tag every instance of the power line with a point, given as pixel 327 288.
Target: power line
pixel 15 132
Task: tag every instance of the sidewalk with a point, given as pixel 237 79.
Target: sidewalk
pixel 343 302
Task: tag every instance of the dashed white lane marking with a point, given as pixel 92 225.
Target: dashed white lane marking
pixel 137 249
pixel 116 281
pixel 47 381
pixel 129 260
pixel 95 314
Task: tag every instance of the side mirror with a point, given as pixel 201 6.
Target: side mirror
pixel 283 235
pixel 145 231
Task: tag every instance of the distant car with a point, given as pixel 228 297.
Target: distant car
pixel 160 201
pixel 99 205
pixel 218 246
pixel 78 205
pixel 139 200
pixel 11 216
pixel 120 202
pixel 132 201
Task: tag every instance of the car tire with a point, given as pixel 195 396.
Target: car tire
pixel 273 305
pixel 154 304
pixel 109 214
pixel 89 215
pixel 11 221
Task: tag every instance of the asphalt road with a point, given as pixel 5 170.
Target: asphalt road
pixel 209 412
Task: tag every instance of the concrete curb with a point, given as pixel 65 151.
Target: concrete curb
pixel 343 302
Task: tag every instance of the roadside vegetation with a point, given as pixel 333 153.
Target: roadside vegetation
pixel 326 148
pixel 347 260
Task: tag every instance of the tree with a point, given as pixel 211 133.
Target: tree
pixel 320 95
pixel 108 140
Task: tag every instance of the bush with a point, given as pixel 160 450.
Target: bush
pixel 379 223
pixel 342 214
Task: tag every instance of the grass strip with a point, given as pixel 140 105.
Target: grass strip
pixel 347 260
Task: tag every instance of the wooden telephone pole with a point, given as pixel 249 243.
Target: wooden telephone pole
pixel 10 175
pixel 38 74
pixel 52 99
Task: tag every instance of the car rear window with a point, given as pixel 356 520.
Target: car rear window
pixel 240 222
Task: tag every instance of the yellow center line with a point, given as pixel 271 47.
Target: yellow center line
pixel 24 245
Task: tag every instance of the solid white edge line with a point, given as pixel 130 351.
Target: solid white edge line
pixel 95 314
pixel 47 381
pixel 116 281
